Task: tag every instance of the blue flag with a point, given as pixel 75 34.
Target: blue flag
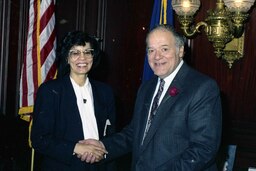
pixel 162 14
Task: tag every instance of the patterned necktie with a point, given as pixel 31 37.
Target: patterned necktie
pixel 154 107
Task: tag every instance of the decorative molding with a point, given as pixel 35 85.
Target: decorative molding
pixel 4 46
pixel 101 28
pixel 81 15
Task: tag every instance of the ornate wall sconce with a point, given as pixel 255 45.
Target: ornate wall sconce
pixel 224 26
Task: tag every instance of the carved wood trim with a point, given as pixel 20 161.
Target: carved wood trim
pixel 102 15
pixel 80 19
pixel 4 46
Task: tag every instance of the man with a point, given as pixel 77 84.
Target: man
pixel 183 133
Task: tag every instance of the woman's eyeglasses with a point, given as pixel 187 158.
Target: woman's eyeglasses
pixel 75 54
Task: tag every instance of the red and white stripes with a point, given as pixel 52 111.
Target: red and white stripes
pixel 39 55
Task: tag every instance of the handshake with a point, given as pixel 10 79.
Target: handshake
pixel 90 150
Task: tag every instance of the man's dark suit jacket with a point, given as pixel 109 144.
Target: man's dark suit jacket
pixel 57 125
pixel 185 132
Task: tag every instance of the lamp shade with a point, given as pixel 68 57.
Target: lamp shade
pixel 239 5
pixel 185 7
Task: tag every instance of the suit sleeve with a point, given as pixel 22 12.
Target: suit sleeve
pixel 43 136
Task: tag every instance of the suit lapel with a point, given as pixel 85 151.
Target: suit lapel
pixel 71 96
pixel 98 108
pixel 146 106
pixel 70 105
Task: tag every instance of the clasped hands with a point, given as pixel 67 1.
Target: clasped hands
pixel 90 150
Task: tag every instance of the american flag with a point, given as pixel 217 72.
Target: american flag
pixel 39 55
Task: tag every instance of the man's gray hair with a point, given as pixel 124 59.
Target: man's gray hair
pixel 179 39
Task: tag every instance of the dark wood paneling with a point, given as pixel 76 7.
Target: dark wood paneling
pixel 5 7
pixel 127 23
pixel 13 58
pixel 14 20
pixel 123 24
pixel 76 15
pixel 66 17
pixel 237 87
pixel 237 84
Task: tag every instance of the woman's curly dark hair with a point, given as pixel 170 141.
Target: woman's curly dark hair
pixel 75 38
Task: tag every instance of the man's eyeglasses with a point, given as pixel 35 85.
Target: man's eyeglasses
pixel 75 54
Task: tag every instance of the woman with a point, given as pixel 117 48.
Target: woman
pixel 73 108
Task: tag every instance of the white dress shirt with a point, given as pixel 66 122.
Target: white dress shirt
pixel 85 105
pixel 168 81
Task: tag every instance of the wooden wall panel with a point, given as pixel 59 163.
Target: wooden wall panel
pixel 14 56
pixel 237 87
pixel 127 23
pixel 76 15
pixel 5 8
pixel 237 84
pixel 11 38
pixel 123 24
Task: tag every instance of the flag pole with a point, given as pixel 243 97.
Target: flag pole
pixel 32 159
